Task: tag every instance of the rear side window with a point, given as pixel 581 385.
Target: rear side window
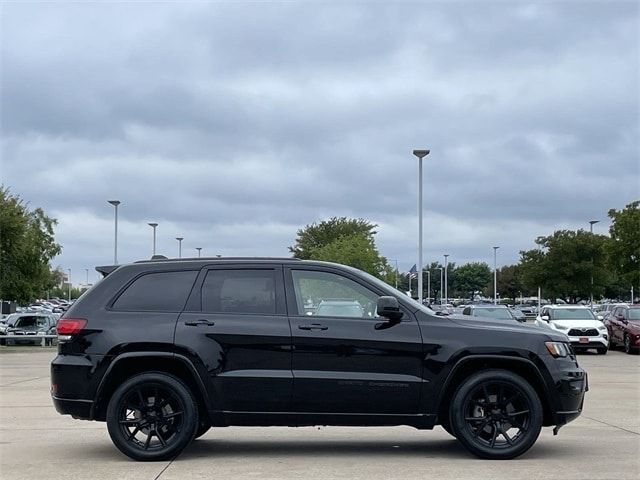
pixel 157 292
pixel 239 291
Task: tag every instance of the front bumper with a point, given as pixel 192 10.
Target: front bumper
pixel 570 388
pixel 589 342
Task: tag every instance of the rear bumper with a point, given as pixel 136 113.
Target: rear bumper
pixel 80 409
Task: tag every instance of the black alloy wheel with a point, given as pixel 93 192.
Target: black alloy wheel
pixel 496 414
pixel 152 416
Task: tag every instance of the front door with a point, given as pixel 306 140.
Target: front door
pixel 346 359
pixel 235 324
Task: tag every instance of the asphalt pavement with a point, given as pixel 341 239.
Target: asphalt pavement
pixel 37 443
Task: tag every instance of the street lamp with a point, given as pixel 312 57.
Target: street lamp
pixel 154 226
pixel 115 203
pixel 179 246
pixel 495 275
pixel 446 292
pixel 591 224
pixel 428 287
pixel 441 270
pixel 198 249
pixel 69 278
pixel 420 154
pixel 87 272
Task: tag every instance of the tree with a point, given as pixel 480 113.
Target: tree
pixel 317 235
pixel 472 277
pixel 343 240
pixel 624 247
pixel 564 264
pixel 26 247
pixel 510 282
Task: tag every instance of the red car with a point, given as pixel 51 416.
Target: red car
pixel 624 328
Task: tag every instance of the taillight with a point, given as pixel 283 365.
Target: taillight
pixel 70 326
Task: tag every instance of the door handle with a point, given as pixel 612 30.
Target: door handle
pixel 202 321
pixel 313 326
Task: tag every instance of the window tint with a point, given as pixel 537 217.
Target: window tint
pixel 328 294
pixel 239 291
pixel 162 291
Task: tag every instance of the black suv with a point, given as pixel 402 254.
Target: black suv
pixel 164 349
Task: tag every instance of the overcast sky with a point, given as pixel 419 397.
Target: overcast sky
pixel 234 124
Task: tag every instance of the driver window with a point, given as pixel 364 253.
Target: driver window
pixel 331 295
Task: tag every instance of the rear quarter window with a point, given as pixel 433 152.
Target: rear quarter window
pixel 159 292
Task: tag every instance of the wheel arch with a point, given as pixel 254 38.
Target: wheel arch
pixel 127 365
pixel 467 366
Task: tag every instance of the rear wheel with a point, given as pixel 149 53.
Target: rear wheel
pixel 152 416
pixel 496 414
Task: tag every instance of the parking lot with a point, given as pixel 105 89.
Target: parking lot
pixel 36 442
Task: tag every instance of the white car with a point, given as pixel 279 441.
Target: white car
pixel 578 323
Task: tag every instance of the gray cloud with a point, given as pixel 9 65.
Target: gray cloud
pixel 233 125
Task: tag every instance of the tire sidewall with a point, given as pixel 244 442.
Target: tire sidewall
pixel 464 435
pixel 190 417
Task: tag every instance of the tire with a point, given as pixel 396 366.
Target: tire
pixel 152 416
pixel 602 351
pixel 515 415
pixel 627 345
pixel 203 427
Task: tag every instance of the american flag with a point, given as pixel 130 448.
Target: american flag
pixel 413 273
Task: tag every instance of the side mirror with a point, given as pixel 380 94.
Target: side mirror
pixel 545 318
pixel 600 317
pixel 389 308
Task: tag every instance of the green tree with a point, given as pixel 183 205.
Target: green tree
pixel 624 247
pixel 564 264
pixel 27 246
pixel 317 235
pixel 510 282
pixel 472 277
pixel 343 240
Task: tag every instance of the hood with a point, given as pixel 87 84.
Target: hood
pixel 578 323
pixel 507 326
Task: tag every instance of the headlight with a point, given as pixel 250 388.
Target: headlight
pixel 602 328
pixel 558 349
pixel 560 327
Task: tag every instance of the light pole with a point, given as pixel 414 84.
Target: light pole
pixel 69 278
pixel 428 287
pixel 495 275
pixel 420 154
pixel 198 249
pixel 179 246
pixel 87 272
pixel 591 224
pixel 115 203
pixel 446 292
pixel 154 226
pixel 441 270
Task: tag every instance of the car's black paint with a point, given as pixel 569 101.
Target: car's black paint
pixel 266 370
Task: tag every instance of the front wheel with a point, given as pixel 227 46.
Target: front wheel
pixel 602 351
pixel 496 414
pixel 152 416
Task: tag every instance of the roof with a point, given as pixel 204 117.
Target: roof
pixel 568 306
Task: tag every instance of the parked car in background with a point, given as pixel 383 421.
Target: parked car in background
pixel 579 323
pixel 27 328
pixel 624 328
pixel 605 309
pixel 494 312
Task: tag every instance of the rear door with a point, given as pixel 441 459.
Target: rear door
pixel 345 359
pixel 235 326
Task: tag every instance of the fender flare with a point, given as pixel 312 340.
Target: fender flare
pixel 173 356
pixel 460 363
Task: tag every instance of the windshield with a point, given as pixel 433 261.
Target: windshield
pixel 572 314
pixel 634 314
pixel 502 313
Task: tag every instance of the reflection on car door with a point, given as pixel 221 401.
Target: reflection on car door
pixel 236 322
pixel 345 364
